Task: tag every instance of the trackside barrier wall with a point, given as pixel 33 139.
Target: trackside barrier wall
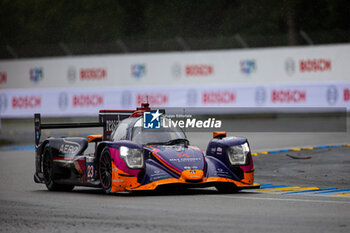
pixel 315 76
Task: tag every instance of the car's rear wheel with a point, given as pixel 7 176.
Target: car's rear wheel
pixel 105 170
pixel 48 173
pixel 226 188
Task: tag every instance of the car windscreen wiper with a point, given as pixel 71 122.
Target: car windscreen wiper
pixel 156 143
pixel 178 141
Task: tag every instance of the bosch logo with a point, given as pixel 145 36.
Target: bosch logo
pixel 71 74
pixel 176 70
pixel 199 70
pixel 63 101
pixel 288 96
pixel 289 66
pixel 315 65
pixel 191 97
pixel 218 97
pixel 126 99
pixel 93 74
pixel 25 102
pixel 332 95
pixel 260 95
pixel 87 100
pixel 3 103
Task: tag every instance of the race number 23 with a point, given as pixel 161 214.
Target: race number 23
pixel 90 171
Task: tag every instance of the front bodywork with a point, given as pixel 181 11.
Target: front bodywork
pixel 181 165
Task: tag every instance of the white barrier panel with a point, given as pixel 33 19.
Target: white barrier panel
pixel 88 101
pixel 312 64
pixel 275 96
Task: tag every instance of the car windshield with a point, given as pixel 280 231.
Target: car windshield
pixel 171 135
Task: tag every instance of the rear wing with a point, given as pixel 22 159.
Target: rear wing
pixel 108 119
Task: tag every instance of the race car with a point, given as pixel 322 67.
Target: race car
pixel 129 158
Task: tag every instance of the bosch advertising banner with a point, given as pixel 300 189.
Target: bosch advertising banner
pixel 309 76
pixel 292 65
pixel 88 101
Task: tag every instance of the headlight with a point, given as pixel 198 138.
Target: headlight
pixel 132 157
pixel 238 154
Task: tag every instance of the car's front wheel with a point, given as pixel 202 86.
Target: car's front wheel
pixel 105 170
pixel 48 173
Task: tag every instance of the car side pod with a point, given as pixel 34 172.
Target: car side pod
pixel 222 147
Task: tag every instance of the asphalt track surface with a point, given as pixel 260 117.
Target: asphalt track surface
pixel 28 207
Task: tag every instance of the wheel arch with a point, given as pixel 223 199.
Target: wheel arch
pixel 99 149
pixel 40 154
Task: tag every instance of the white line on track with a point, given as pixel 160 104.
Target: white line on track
pixel 281 199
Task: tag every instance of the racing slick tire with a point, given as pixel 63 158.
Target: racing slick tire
pixel 48 173
pixel 105 170
pixel 226 188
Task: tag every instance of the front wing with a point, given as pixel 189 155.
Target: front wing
pixel 156 177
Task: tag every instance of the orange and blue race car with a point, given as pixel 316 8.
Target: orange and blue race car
pixel 127 157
